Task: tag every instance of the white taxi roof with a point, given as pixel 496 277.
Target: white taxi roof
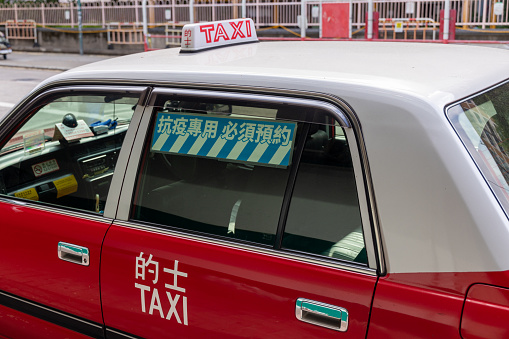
pixel 440 73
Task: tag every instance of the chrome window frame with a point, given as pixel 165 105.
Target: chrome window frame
pixel 342 113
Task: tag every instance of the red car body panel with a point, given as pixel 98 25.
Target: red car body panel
pixel 31 268
pixel 15 324
pixel 486 312
pixel 228 292
pixel 424 305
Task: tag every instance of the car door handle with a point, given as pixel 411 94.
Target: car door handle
pixel 321 314
pixel 73 253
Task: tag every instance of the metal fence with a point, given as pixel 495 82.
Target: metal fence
pixel 470 13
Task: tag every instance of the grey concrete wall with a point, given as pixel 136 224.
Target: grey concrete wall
pixel 65 42
pixel 50 40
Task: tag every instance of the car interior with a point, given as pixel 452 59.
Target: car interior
pixel 37 163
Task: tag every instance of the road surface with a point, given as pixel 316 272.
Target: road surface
pixel 22 71
pixel 16 83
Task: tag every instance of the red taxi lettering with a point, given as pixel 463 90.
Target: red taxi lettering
pixel 220 32
pixel 207 29
pixel 248 29
pixel 144 265
pixel 236 29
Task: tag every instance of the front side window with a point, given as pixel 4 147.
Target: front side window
pixel 66 152
pixel 262 173
pixel 483 124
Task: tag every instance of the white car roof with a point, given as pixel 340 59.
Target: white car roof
pixel 421 69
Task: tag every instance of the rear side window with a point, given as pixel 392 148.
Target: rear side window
pixel 483 124
pixel 266 174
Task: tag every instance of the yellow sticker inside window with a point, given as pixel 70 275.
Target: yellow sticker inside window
pixel 29 193
pixel 66 185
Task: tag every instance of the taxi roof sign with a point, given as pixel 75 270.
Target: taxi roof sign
pixel 206 35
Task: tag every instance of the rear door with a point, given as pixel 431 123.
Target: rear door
pixel 240 216
pixel 53 191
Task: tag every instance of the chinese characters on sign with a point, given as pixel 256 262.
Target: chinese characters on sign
pixel 187 36
pixel 254 141
pixel 253 132
pixel 148 275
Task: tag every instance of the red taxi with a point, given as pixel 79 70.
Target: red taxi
pixel 260 190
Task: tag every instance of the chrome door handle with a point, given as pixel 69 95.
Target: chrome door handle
pixel 73 253
pixel 321 314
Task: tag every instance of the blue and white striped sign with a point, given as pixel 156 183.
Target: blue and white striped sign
pixel 254 141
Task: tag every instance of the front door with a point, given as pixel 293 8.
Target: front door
pixel 55 174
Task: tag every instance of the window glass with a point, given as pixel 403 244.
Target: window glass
pixel 66 152
pixel 324 216
pixel 216 169
pixel 193 177
pixel 483 124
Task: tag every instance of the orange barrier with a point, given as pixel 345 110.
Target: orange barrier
pixel 21 29
pixel 173 35
pixel 410 28
pixel 125 33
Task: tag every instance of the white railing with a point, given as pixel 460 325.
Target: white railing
pixel 469 13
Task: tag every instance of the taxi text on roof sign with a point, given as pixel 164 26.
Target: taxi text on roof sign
pixel 197 37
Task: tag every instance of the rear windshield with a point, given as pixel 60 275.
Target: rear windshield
pixel 483 124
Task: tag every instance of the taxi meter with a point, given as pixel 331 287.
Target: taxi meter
pixel 197 37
